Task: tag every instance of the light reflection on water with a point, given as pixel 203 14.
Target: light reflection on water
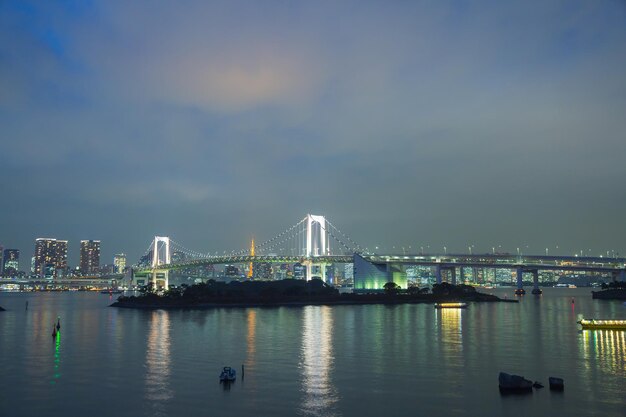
pixel 607 346
pixel 251 337
pixel 158 357
pixel 317 361
pixel 57 357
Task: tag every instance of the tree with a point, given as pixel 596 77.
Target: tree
pixel 391 288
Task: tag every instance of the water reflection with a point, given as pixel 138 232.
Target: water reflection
pixel 317 361
pixel 608 346
pixel 251 338
pixel 451 327
pixel 158 353
pixel 57 358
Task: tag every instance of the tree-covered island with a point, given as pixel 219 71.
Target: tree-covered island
pixel 294 292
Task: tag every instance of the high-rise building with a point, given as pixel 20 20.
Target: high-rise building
pixel 119 263
pixel 89 257
pixel 50 257
pixel 10 262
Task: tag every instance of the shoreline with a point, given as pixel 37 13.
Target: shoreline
pixel 294 303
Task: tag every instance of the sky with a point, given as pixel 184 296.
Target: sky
pixel 406 123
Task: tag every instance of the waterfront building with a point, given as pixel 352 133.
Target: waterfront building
pixel 89 257
pixel 119 263
pixel 348 272
pixel 50 257
pixel 10 262
pixel 262 270
pixel 299 271
pixel 231 271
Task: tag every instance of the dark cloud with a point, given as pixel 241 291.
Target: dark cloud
pixel 406 124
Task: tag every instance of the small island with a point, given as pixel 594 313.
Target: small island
pixel 290 292
pixel 615 290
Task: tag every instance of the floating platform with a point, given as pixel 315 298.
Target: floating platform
pixel 451 305
pixel 602 324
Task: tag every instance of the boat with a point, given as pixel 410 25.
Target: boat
pixel 228 374
pixel 451 305
pixel 602 324
pixel 520 291
pixel 514 383
pixel 111 292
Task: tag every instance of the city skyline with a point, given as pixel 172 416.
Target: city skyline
pixel 445 125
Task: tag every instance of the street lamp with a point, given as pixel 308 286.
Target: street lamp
pixel 445 250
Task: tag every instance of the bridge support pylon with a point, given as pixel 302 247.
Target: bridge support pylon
pixel 317 244
pixel 536 290
pixel 160 255
pixel 438 273
pixel 160 279
pixel 520 283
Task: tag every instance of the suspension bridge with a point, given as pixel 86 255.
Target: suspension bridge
pixel 313 242
pixel 316 243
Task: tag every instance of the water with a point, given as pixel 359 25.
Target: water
pixel 319 361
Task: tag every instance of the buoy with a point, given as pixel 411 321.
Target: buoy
pixel 242 371
pixel 572 300
pixel 58 323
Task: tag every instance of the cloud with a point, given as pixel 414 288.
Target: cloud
pixel 405 120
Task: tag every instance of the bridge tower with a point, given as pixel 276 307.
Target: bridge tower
pixel 317 244
pixel 161 255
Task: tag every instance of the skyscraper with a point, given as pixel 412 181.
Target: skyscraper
pixel 119 261
pixel 10 262
pixel 50 257
pixel 89 257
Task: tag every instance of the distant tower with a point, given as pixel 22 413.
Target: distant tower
pixel 251 268
pixel 50 257
pixel 89 257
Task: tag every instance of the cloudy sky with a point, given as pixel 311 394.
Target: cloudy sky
pixel 406 123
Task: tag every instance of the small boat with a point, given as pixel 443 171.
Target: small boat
pixel 451 305
pixel 228 374
pixel 602 324
pixel 111 292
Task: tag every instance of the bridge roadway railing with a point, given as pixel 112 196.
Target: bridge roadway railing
pixel 219 260
pixel 566 263
pixel 506 262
